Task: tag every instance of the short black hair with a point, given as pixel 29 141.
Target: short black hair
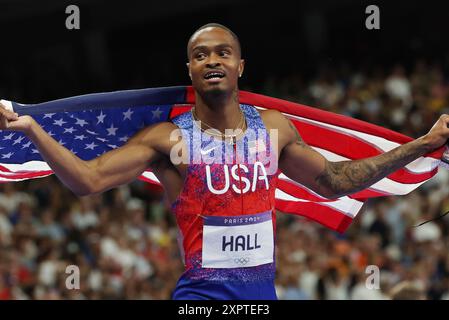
pixel 215 25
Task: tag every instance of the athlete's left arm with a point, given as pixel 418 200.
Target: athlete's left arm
pixel 303 164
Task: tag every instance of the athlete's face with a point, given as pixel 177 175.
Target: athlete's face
pixel 214 61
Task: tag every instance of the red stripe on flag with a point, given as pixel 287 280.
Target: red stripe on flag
pixel 143 178
pixel 4 169
pixel 26 175
pixel 179 109
pixel 340 143
pixel 408 177
pixel 298 191
pixel 320 213
pixel 368 193
pixel 190 95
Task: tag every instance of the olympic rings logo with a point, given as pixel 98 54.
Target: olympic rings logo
pixel 241 261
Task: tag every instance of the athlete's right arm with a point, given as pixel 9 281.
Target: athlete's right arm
pixel 116 167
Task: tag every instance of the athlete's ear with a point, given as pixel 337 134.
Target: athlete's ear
pixel 188 67
pixel 241 67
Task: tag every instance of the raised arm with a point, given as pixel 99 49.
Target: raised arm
pixel 111 169
pixel 335 179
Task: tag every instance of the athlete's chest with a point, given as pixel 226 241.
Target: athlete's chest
pixel 235 178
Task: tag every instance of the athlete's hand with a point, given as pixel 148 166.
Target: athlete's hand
pixel 11 121
pixel 439 134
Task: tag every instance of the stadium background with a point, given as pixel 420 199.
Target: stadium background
pixel 313 52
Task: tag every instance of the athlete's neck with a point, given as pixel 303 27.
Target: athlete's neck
pixel 219 111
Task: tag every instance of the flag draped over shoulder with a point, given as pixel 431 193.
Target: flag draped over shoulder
pixel 90 125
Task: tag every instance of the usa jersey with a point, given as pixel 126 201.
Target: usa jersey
pixel 225 213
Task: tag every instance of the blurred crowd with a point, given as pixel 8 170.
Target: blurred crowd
pixel 123 246
pixel 124 241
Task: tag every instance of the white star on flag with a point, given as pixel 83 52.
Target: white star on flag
pixel 101 117
pixel 111 130
pixel 156 113
pixel 69 130
pixel 9 136
pixel 7 156
pixel 18 140
pixel 49 115
pixel 51 134
pixel 34 150
pixel 81 122
pixel 101 139
pixel 124 139
pixel 81 137
pixel 26 145
pixel 127 114
pixel 59 122
pixel 91 146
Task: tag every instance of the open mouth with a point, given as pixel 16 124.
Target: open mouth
pixel 214 76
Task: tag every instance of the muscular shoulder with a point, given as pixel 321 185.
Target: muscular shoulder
pixel 273 119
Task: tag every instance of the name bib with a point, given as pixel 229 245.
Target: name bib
pixel 238 241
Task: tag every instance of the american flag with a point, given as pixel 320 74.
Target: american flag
pixel 90 125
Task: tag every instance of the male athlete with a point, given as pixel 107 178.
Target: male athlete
pixel 225 212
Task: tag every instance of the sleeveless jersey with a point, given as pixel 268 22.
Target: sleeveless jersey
pixel 225 213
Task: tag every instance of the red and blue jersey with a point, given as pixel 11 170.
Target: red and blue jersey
pixel 226 213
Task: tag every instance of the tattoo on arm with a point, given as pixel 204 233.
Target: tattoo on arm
pixel 346 177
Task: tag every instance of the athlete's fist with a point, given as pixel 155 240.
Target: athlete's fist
pixel 439 134
pixel 11 121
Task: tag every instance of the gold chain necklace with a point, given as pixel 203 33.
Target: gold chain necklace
pixel 223 136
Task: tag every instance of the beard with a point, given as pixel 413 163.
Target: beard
pixel 218 93
pixel 214 93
